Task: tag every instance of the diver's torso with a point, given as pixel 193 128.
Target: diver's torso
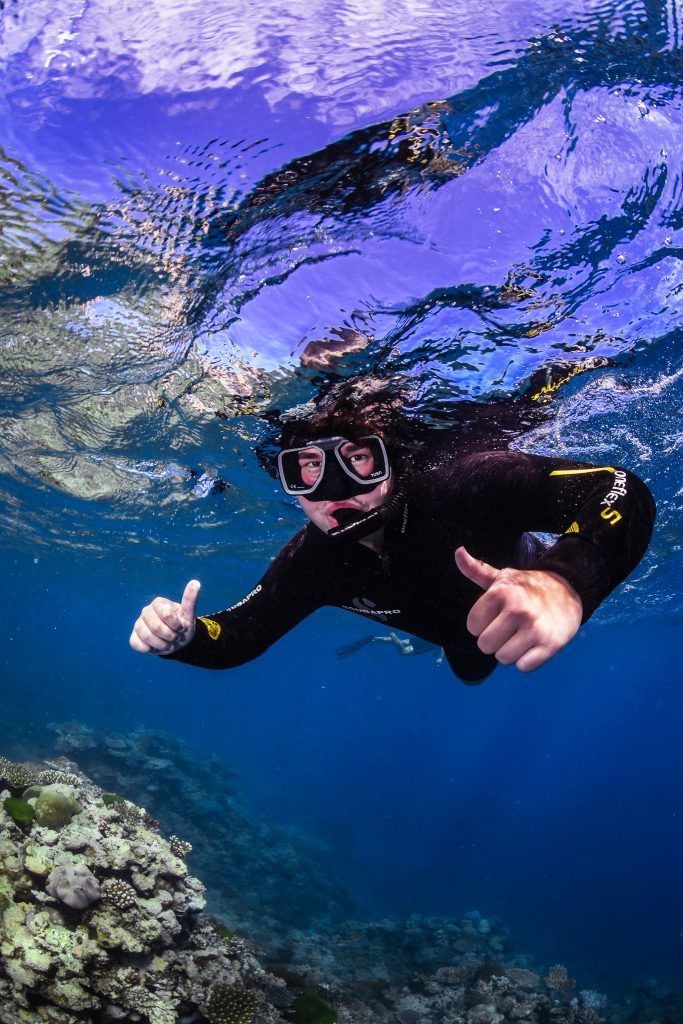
pixel 413 583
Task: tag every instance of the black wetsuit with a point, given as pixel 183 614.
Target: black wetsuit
pixel 485 501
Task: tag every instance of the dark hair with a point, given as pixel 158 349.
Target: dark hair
pixel 393 409
pixel 353 408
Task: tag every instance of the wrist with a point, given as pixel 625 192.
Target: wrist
pixel 570 595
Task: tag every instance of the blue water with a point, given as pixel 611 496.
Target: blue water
pixel 155 270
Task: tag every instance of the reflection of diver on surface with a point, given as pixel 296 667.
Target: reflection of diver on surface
pixel 206 484
pixel 406 646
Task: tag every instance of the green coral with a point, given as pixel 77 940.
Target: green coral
pixel 230 1004
pixel 56 806
pixel 20 811
pixel 310 1009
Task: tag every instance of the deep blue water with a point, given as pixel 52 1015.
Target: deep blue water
pixel 152 273
pixel 550 800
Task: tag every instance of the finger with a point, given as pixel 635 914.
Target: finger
pixel 147 638
pixel 188 601
pixel 533 659
pixel 517 647
pixel 164 626
pixel 474 569
pixel 497 634
pixel 485 611
pixel 161 610
pixel 138 645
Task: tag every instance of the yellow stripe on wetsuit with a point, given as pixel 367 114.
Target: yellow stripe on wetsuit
pixel 576 472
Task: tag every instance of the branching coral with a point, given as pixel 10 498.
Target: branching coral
pixel 119 894
pixel 18 776
pixel 558 979
pixel 179 846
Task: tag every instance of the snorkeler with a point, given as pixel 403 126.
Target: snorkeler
pixel 404 645
pixel 430 537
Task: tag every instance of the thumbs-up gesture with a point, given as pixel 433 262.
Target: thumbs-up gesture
pixel 525 616
pixel 165 626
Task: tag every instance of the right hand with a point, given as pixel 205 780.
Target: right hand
pixel 165 626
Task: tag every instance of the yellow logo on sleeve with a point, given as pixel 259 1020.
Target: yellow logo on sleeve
pixel 212 627
pixel 618 490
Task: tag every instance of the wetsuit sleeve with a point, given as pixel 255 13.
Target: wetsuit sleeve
pixel 605 514
pixel 282 598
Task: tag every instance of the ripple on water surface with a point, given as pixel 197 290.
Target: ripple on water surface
pixel 209 212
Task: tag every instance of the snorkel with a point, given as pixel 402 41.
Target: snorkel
pixel 362 524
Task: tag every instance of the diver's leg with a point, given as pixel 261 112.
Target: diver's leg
pixel 527 549
pixel 357 645
pixel 470 665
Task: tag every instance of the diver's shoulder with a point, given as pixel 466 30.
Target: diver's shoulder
pixel 444 455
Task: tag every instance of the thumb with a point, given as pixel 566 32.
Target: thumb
pixel 479 572
pixel 188 601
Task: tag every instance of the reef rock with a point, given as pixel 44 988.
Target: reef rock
pixel 269 879
pixel 101 922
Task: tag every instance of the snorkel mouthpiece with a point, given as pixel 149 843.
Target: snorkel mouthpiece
pixel 356 525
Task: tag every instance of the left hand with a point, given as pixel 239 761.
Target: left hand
pixel 525 616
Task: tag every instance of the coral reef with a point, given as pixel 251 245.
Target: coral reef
pixel 100 920
pixel 263 878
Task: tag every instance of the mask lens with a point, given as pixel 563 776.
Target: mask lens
pixel 364 460
pixel 301 469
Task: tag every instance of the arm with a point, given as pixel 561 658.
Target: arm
pixel 282 598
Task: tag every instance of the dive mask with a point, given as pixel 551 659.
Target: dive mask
pixel 334 468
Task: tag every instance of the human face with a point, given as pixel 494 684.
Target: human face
pixel 322 513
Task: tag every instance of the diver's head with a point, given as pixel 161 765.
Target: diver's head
pixel 344 456
pixel 337 480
